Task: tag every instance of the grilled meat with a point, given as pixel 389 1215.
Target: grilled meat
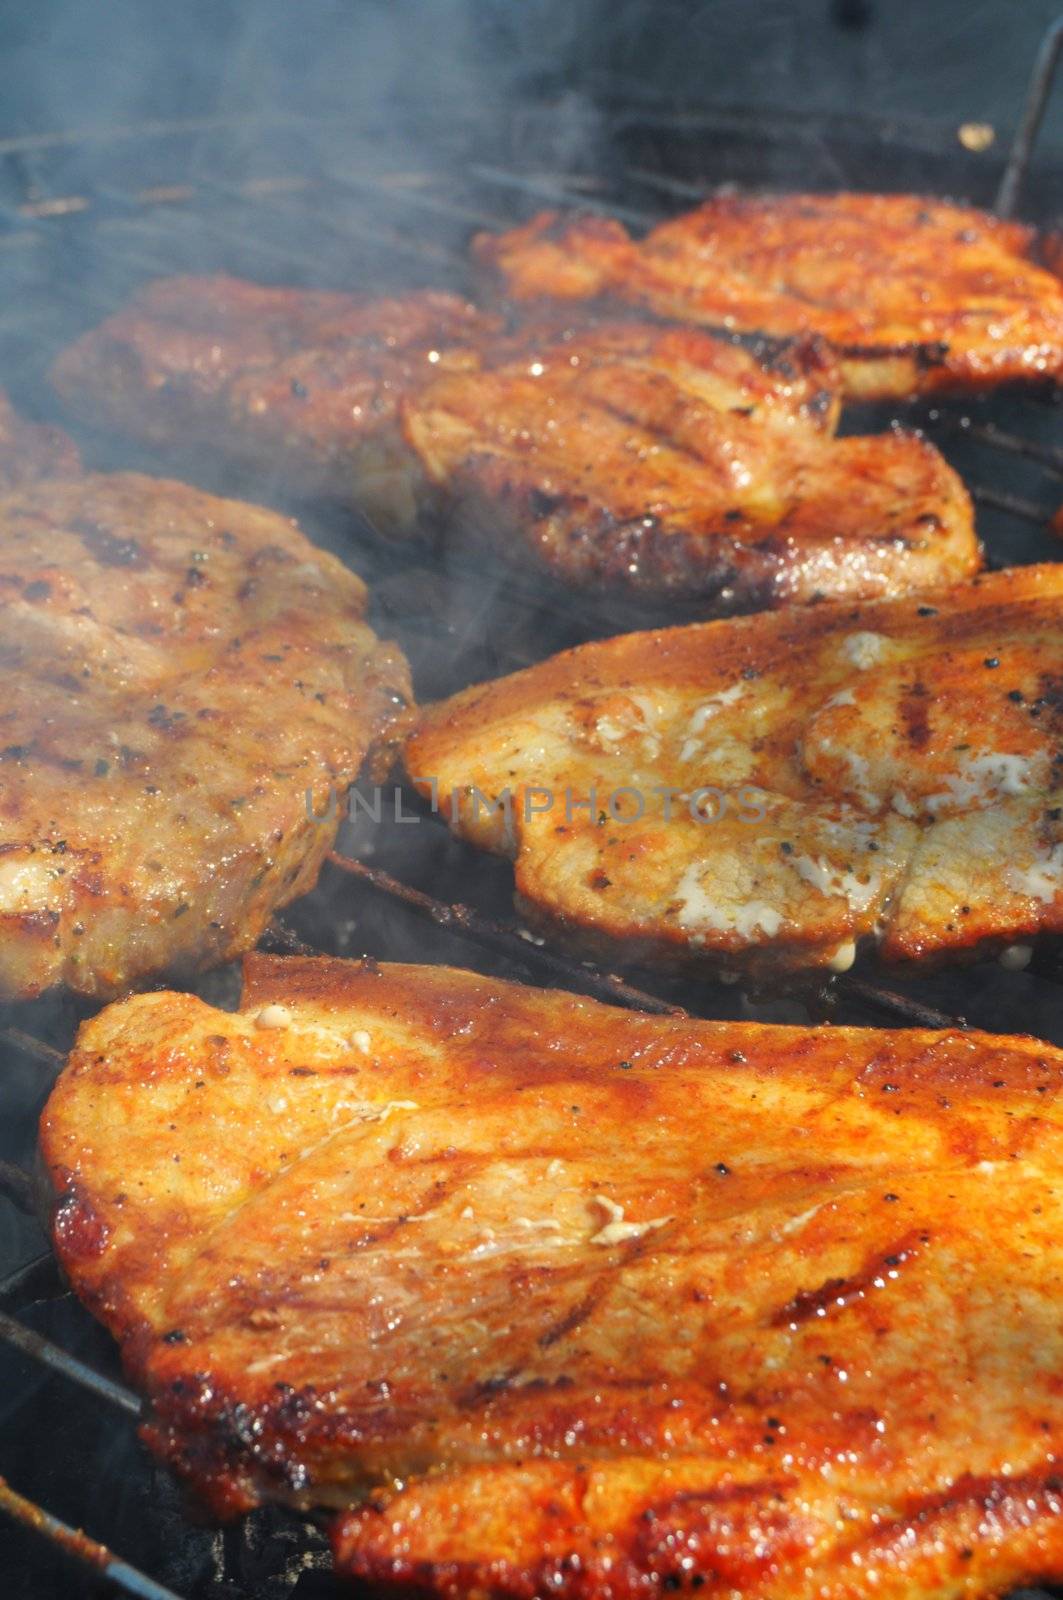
pixel 916 295
pixel 623 1303
pixel 614 451
pixel 773 790
pixel 178 671
pixel 666 462
pixel 296 386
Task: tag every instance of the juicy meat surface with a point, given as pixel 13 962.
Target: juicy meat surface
pixel 611 451
pixel 774 790
pixel 916 295
pixel 665 461
pixel 300 387
pixel 176 672
pixel 581 1302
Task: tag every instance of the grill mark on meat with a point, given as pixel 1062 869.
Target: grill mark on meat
pixel 838 1293
pixel 893 794
pixel 576 1315
pixel 678 1437
pixel 927 354
pixel 915 711
pixel 231 730
pixel 845 265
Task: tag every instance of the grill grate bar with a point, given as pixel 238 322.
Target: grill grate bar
pixel 1048 456
pixel 881 998
pixel 1014 505
pixel 1040 87
pixel 357 224
pixel 283 940
pixel 130 1580
pixel 51 1355
pixel 410 191
pixel 27 1045
pixel 469 924
pixel 558 194
pixel 226 231
pixel 676 188
pixel 16 1186
pixel 36 1280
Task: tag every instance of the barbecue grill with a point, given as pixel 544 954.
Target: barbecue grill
pixel 84 219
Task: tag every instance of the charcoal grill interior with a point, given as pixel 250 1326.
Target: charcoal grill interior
pixel 336 202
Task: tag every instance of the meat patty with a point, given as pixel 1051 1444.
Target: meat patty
pixel 668 463
pixel 778 790
pixel 916 295
pixel 300 387
pixel 574 1301
pixel 178 673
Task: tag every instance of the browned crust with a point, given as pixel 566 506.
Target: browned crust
pixel 834 1346
pixel 300 387
pixel 664 463
pixel 970 671
pixel 917 296
pixel 608 449
pixel 178 671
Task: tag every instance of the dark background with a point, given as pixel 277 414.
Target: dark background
pixel 70 63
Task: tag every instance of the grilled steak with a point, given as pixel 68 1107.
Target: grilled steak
pixel 667 462
pixel 773 790
pixel 916 295
pixel 297 386
pixel 623 1303
pixel 177 672
pixel 612 452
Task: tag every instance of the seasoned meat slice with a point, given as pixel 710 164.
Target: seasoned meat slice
pixel 299 387
pixel 612 451
pixel 176 673
pixel 664 462
pixel 916 295
pixel 575 1301
pixel 778 790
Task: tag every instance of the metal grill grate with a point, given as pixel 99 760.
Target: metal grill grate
pixel 85 217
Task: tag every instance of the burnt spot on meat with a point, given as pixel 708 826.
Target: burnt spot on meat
pixel 542 505
pixel 915 714
pixel 108 548
pixel 166 721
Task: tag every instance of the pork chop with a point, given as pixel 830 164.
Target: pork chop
pixel 299 387
pixel 917 295
pixel 610 451
pixel 671 464
pixel 178 673
pixel 565 1300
